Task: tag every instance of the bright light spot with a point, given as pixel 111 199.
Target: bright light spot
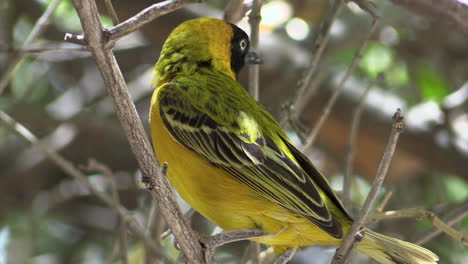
pixel 389 36
pixel 377 58
pixel 275 13
pixel 460 126
pixel 463 1
pixel 355 8
pixel 297 29
pixel 338 28
pixel 244 25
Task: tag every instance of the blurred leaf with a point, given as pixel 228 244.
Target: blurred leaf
pixel 44 3
pixel 397 75
pixel 30 82
pixel 21 31
pixel 344 56
pixel 106 21
pixel 377 58
pixel 66 18
pixel 457 189
pixel 433 85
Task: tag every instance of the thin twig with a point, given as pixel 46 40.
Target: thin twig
pixel 318 47
pixel 143 17
pixel 419 214
pixel 112 13
pixel 342 253
pixel 431 235
pixel 254 69
pixel 134 23
pixel 128 116
pixel 18 57
pixel 384 202
pixel 235 10
pixel 94 165
pixel 351 147
pixel 331 102
pixel 71 170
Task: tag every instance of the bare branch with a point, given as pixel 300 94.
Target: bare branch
pixel 429 236
pixel 145 16
pixel 112 13
pixel 320 42
pixel 342 253
pixel 451 12
pixel 351 148
pixel 384 202
pixel 37 30
pixel 326 111
pixel 235 10
pixel 128 116
pixel 419 214
pixel 254 69
pixel 94 165
pixel 71 170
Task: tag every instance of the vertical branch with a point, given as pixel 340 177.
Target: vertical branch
pixel 112 13
pixel 351 147
pixel 18 57
pixel 254 69
pixel 318 47
pixel 343 252
pixel 327 109
pixel 234 11
pixel 93 165
pixel 133 129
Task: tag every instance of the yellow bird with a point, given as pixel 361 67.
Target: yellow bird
pixel 230 159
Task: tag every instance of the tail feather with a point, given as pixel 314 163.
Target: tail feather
pixel 388 250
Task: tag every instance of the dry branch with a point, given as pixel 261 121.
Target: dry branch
pixel 419 214
pixel 331 102
pixel 351 147
pixel 343 252
pixel 74 172
pixel 18 57
pixel 254 69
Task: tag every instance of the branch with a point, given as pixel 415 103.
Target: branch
pixel 98 42
pixel 112 13
pixel 94 165
pixel 39 27
pixel 71 170
pixel 342 253
pixel 235 10
pixel 451 12
pixel 419 214
pixel 351 147
pixel 254 68
pixel 331 102
pixel 318 47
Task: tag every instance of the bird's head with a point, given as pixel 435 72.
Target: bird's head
pixel 202 42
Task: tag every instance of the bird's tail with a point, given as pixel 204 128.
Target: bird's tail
pixel 388 250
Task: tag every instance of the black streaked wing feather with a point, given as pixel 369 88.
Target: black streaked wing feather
pixel 275 176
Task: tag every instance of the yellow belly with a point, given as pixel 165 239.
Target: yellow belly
pixel 224 200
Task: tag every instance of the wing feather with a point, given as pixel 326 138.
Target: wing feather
pixel 251 156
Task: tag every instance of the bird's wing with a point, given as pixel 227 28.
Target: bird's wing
pixel 237 145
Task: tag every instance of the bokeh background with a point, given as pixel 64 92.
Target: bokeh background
pixel 56 92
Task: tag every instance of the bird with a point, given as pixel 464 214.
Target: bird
pixel 230 159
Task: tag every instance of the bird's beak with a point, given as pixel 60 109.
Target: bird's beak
pixel 253 57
